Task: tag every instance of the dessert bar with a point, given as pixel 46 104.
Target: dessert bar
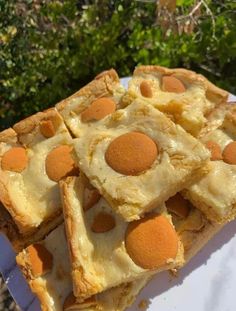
pixel 46 267
pixel 91 104
pixel 105 251
pixel 138 158
pixel 185 96
pixel 34 155
pixel 215 193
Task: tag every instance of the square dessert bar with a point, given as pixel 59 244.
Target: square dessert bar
pixel 215 193
pixel 84 109
pixel 105 250
pixel 192 226
pixel 46 268
pixel 34 156
pixel 182 94
pixel 139 158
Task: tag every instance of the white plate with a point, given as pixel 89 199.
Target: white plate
pixel 207 283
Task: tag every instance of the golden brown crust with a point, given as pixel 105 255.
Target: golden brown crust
pixel 51 299
pixel 23 262
pixel 4 196
pixel 213 92
pixel 110 72
pixel 39 288
pixel 67 214
pixel 40 258
pixel 20 218
pixel 41 292
pixel 8 136
pixel 194 231
pixel 215 118
pixel 196 175
pixel 71 304
pixel 26 129
pixel 231 115
pixel 101 86
pixel 28 124
pixel 118 298
pixel 24 133
pixel 209 211
pixel 45 228
pixel 83 287
pixel 229 123
pixel 85 279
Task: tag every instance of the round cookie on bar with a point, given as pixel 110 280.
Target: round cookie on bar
pixel 125 220
pixel 34 155
pixel 86 108
pixel 14 159
pixel 59 163
pixel 98 109
pixel 216 153
pixel 131 153
pixel 185 96
pixel 46 267
pixel 151 241
pixel 105 250
pixel 138 150
pixel 40 259
pixel 218 202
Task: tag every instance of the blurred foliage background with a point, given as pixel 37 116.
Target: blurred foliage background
pixel 49 49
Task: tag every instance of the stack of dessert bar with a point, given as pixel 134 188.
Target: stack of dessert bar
pixel 112 186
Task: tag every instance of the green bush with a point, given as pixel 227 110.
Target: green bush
pixel 49 49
